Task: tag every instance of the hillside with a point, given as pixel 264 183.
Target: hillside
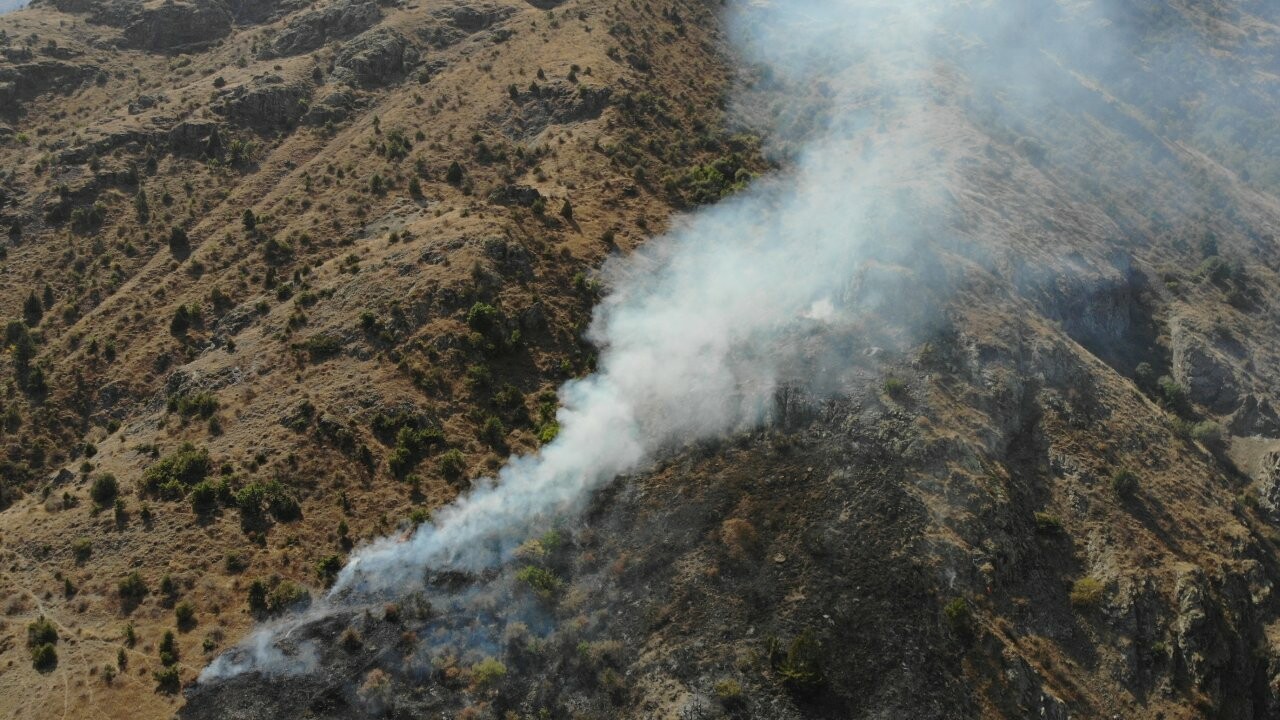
pixel 284 278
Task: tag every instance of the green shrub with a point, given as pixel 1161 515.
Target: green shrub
pixel 328 567
pixel 170 476
pixel 959 616
pixel 493 433
pixel 41 632
pixel 543 582
pixel 801 668
pixel 1087 592
pixel 452 465
pixel 257 596
pixel 1208 433
pixel 1124 483
pixel 1047 523
pixel 895 387
pixel 104 489
pixel 286 595
pixel 167 679
pixel 454 174
pixel 202 404
pixel 132 587
pixel 487 673
pixel 1172 395
pixel 185 613
pixel 44 657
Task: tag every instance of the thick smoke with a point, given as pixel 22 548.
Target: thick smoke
pixel 701 326
pixel 693 336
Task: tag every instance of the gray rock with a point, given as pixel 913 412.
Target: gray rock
pixel 267 103
pixel 334 107
pixel 1269 485
pixel 196 138
pixel 174 25
pixel 1256 416
pixel 515 195
pixel 1204 372
pixel 558 103
pixel 312 29
pixel 375 58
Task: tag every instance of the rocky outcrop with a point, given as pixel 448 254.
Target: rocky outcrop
pixel 314 28
pixel 1204 372
pixel 267 103
pixel 1256 416
pixel 28 80
pixel 557 103
pixel 333 107
pixel 178 25
pixel 375 58
pixel 196 138
pixel 515 195
pixel 1269 485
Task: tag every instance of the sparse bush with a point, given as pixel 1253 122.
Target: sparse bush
pixel 185 613
pixel 328 567
pixel 895 387
pixel 104 489
pixel 350 640
pixel 1047 523
pixel 286 595
pixel 487 673
pixel 44 657
pixel 541 581
pixel 454 174
pixel 82 549
pixel 132 587
pixel 171 475
pixel 729 692
pixel 452 465
pixel 959 616
pixel 1125 483
pixel 801 667
pixel 1087 592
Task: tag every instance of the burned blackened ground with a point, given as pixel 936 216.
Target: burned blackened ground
pixel 765 575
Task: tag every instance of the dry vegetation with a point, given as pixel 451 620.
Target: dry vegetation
pixel 272 296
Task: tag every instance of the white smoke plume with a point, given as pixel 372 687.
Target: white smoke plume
pixel 689 338
pixel 699 327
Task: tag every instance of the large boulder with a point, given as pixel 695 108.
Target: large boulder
pixel 558 103
pixel 196 138
pixel 375 58
pixel 267 103
pixel 28 80
pixel 178 25
pixel 1205 373
pixel 334 107
pixel 314 28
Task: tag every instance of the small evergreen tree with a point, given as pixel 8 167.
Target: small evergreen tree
pixel 454 174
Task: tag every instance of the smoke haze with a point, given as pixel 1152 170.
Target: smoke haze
pixel 701 327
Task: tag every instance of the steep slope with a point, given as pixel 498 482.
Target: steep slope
pixel 373 307
pixel 1042 482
